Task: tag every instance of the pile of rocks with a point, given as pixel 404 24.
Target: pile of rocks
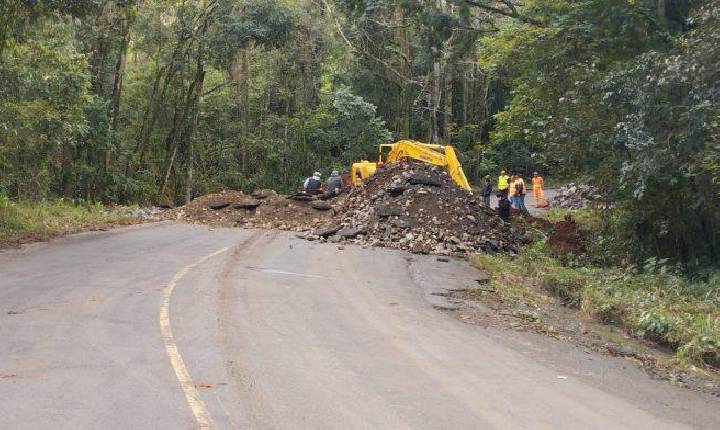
pixel 417 207
pixel 576 196
pixel 154 213
pixel 260 209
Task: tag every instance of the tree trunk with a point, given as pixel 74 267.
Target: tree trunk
pixel 662 13
pixel 239 72
pixel 66 157
pixel 405 100
pixel 148 123
pixel 448 109
pixel 187 121
pixel 189 179
pixel 114 109
pixel 190 129
pixel 168 71
pixel 435 93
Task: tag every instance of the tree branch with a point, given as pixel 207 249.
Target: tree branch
pixel 511 12
pixel 364 52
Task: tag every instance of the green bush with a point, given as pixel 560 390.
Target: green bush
pixel 51 217
pixel 659 306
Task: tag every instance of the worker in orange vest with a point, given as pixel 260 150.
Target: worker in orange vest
pixel 538 183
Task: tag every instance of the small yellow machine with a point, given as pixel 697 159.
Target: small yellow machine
pixel 439 155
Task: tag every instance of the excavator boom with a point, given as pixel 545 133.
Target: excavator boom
pixel 438 155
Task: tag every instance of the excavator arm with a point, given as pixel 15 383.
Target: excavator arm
pixel 439 155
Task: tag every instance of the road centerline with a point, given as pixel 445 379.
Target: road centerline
pixel 171 350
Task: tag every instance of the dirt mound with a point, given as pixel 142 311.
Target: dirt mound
pixel 417 207
pixel 260 209
pixel 567 238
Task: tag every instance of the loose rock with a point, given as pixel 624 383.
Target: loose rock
pixel 320 205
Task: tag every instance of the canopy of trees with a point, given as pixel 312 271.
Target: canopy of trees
pixel 162 100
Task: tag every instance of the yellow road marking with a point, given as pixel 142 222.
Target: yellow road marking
pixel 191 395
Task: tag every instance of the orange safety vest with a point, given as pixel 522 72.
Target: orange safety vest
pixel 538 182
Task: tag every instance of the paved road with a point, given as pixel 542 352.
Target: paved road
pixel 178 326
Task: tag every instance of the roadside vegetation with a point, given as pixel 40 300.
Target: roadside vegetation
pixel 589 218
pixel 26 221
pixel 650 302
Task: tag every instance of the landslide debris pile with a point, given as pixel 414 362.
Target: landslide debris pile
pixel 260 209
pixel 576 196
pixel 417 207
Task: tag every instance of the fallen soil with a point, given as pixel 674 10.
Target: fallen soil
pixel 567 238
pixel 410 206
pixel 418 208
pixel 264 209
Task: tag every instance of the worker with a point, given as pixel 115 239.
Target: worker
pixel 503 206
pixel 519 186
pixel 486 191
pixel 538 183
pixel 502 184
pixel 334 184
pixel 313 184
pixel 511 191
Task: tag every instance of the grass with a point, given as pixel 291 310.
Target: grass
pixel 22 221
pixel 589 218
pixel 655 305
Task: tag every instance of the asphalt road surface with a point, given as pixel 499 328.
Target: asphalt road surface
pixel 177 326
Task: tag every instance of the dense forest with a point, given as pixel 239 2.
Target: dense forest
pixel 158 101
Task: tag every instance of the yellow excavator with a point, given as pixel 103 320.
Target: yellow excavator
pixel 439 155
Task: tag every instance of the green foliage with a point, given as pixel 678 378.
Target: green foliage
pixel 42 102
pixel 268 23
pixel 47 218
pixel 621 94
pixel 358 130
pixel 591 219
pixel 660 307
pixel 654 304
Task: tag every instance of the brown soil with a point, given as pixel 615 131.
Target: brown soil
pixel 567 238
pixel 410 206
pixel 273 211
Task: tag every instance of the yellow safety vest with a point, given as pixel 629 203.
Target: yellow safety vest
pixel 503 182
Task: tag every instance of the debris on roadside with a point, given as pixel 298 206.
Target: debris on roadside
pixel 418 208
pixel 567 238
pixel 409 206
pixel 576 196
pixel 260 209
